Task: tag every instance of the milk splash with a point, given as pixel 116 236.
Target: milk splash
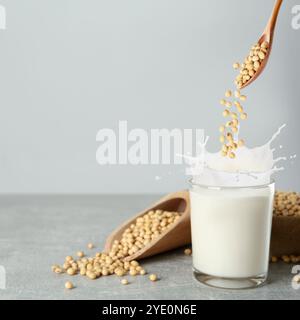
pixel 251 167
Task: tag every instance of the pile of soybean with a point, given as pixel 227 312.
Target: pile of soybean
pixel 144 230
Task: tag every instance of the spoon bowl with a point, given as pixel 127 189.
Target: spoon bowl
pixel 267 36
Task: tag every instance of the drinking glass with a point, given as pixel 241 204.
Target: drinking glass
pixel 231 230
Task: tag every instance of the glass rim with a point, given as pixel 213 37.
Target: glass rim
pixel 262 186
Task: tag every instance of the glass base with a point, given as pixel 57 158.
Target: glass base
pixel 230 283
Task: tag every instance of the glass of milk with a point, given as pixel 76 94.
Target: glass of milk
pixel 231 230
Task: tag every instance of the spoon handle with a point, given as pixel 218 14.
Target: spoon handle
pixel 272 22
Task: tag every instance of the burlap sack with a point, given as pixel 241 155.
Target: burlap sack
pixel 285 236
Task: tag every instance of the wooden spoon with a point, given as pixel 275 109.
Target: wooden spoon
pixel 267 36
pixel 178 235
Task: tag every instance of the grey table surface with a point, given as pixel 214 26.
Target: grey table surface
pixel 38 231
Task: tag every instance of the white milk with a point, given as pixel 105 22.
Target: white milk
pixel 231 211
pixel 231 231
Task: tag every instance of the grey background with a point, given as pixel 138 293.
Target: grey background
pixel 72 67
